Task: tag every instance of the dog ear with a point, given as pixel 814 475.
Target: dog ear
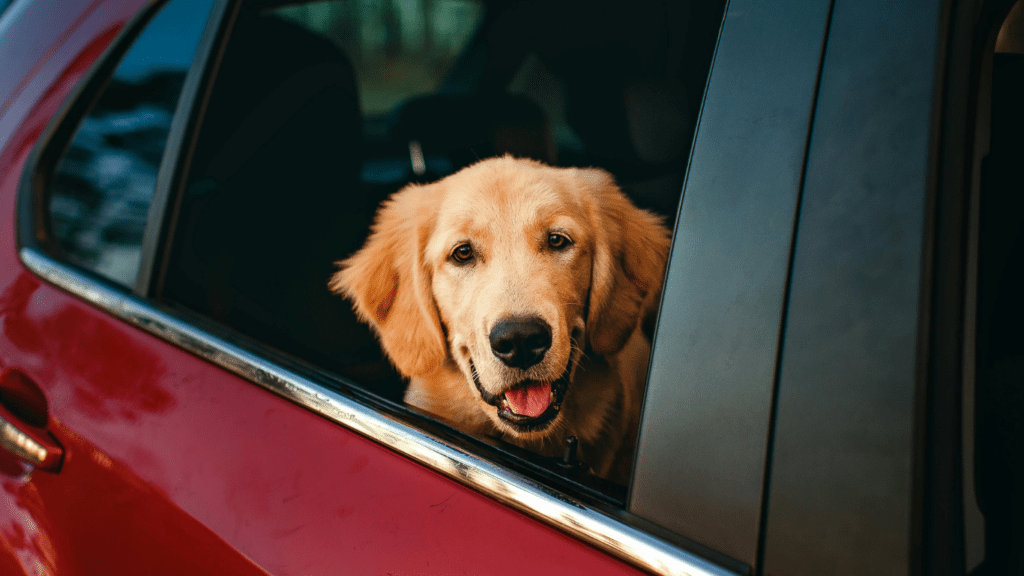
pixel 388 282
pixel 630 252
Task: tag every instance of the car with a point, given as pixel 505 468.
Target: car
pixel 836 367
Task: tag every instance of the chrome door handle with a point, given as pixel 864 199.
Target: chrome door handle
pixel 32 445
pixel 26 436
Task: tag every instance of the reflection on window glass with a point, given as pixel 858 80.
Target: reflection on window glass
pixel 100 194
pixel 4 5
pixel 400 48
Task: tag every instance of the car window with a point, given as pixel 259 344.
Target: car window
pixel 303 139
pixel 99 195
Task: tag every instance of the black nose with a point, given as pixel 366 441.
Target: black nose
pixel 520 342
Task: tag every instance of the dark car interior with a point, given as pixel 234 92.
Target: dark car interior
pixel 288 169
pixel 999 387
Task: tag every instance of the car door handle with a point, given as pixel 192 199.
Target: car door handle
pixel 23 420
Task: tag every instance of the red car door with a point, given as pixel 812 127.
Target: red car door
pixel 174 465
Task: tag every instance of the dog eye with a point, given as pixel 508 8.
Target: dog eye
pixel 463 253
pixel 558 242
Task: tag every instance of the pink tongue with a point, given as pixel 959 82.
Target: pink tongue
pixel 529 401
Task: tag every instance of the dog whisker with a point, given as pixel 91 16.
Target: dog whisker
pixel 581 354
pixel 472 370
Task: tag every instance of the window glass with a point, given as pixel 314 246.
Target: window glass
pixel 100 194
pixel 303 139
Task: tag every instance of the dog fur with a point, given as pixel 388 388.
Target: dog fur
pixel 434 314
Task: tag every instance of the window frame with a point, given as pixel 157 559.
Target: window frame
pixel 576 512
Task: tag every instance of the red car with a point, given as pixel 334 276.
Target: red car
pixel 835 373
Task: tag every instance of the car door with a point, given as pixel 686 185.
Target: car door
pixel 175 464
pixel 194 440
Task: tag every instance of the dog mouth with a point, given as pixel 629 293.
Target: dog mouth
pixel 530 405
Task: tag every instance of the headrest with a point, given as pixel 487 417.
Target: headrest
pixel 467 128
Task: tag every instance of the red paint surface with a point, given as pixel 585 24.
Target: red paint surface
pixel 76 31
pixel 174 466
pixel 24 54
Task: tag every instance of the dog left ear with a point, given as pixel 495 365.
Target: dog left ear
pixel 630 252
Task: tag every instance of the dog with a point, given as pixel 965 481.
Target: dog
pixel 511 295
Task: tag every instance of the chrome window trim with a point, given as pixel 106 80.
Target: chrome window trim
pixel 504 485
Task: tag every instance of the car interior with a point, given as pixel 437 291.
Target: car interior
pixel 998 473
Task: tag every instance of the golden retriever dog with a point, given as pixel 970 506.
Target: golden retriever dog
pixel 510 294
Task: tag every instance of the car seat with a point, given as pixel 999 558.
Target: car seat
pixel 273 199
pixel 999 389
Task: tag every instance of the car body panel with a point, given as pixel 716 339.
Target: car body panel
pixel 24 55
pixel 44 50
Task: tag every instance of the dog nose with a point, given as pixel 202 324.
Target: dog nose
pixel 521 342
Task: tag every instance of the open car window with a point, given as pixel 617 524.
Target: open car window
pixel 304 138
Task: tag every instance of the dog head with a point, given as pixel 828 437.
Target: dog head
pixel 509 270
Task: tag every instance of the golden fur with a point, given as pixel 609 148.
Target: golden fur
pixel 433 315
